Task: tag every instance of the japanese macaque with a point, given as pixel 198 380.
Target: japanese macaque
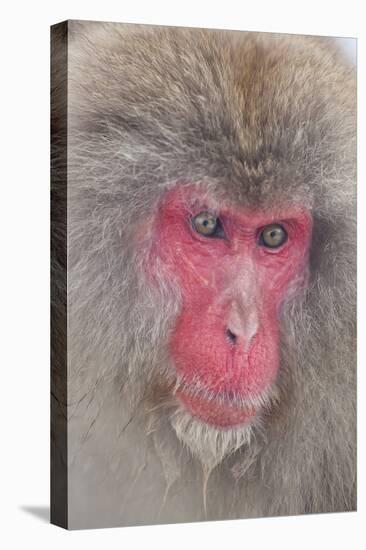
pixel 211 242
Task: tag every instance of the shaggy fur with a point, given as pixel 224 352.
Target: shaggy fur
pixel 254 118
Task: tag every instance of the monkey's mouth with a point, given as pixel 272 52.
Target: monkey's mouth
pixel 220 410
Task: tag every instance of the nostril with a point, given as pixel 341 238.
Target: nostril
pixel 231 336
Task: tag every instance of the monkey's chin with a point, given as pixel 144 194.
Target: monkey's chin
pixel 218 413
pixel 209 442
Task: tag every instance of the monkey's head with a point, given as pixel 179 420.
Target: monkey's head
pixel 205 166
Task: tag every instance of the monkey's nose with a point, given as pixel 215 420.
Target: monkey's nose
pixel 240 333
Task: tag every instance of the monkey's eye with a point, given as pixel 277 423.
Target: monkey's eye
pixel 208 225
pixel 273 236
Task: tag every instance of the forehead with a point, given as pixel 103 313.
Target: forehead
pixel 194 198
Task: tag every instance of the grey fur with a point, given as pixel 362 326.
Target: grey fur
pixel 256 118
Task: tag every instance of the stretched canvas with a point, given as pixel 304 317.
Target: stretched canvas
pixel 203 274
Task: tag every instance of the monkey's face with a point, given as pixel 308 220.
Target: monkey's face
pixel 235 268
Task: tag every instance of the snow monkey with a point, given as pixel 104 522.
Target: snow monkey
pixel 203 210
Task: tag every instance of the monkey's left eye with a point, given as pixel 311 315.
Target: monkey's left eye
pixel 273 236
pixel 208 225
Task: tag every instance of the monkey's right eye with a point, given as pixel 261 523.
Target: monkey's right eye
pixel 208 225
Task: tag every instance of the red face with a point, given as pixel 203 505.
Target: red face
pixel 235 268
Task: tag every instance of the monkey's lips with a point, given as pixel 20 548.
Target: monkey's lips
pixel 216 412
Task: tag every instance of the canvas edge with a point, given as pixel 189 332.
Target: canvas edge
pixel 58 290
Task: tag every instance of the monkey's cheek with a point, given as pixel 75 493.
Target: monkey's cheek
pixel 216 413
